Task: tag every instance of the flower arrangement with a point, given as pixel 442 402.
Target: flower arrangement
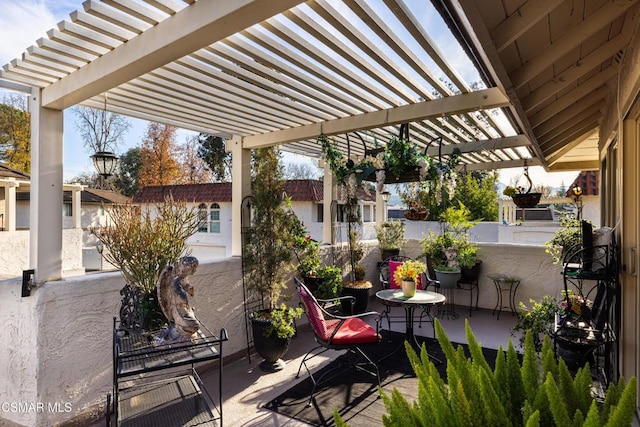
pixel 409 271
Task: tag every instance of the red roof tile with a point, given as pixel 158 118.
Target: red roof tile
pixel 300 190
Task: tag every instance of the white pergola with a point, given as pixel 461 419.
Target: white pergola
pixel 282 72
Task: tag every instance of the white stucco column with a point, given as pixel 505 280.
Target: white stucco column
pixel 9 222
pixel 328 196
pixel 381 208
pixel 76 203
pixel 45 209
pixel 240 188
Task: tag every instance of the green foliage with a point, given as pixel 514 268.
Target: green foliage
pixel 15 136
pixel 456 223
pixel 282 321
pixel 128 173
pixel 568 235
pixel 478 193
pixel 476 396
pixel 537 319
pixel 268 249
pixel 212 150
pixel 390 234
pixel 141 244
pixel 331 282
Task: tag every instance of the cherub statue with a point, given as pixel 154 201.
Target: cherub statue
pixel 450 254
pixel 174 291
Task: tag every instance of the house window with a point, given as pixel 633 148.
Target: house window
pixel 214 218
pixel 67 209
pixel 202 216
pixel 319 212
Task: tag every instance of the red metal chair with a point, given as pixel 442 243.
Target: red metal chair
pixel 333 332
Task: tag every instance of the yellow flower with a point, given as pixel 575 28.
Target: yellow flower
pixel 409 270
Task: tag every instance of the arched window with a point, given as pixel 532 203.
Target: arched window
pixel 202 216
pixel 214 218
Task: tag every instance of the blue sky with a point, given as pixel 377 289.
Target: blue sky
pixel 23 22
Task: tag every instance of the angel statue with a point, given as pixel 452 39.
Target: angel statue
pixel 174 291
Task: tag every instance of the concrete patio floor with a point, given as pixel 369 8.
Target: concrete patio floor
pixel 246 389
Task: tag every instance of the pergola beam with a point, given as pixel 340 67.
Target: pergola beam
pixel 482 99
pixel 485 144
pixel 505 164
pixel 194 27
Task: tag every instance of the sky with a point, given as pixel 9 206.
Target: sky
pixel 23 22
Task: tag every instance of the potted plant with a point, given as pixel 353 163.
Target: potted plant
pixel 538 319
pixel 390 235
pixel 568 235
pixel 141 245
pixel 452 250
pixel 414 197
pixel 325 282
pixel 523 198
pixel 407 274
pixel 268 255
pixel 358 287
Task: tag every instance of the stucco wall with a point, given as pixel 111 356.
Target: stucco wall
pixel 18 353
pixel 71 322
pixel 14 252
pixel 61 336
pixel 531 264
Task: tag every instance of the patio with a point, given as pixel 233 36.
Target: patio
pixel 564 75
pixel 251 389
pixel 247 389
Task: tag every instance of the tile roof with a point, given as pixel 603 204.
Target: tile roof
pixel 300 190
pixel 7 172
pixel 89 195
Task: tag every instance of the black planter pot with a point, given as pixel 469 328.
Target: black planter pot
pixel 386 253
pixel 575 354
pixel 470 275
pixel 312 283
pixel 270 348
pixel 140 311
pixel 361 295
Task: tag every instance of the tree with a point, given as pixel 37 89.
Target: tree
pixel 99 129
pixel 159 154
pixel 15 133
pixel 300 171
pixel 212 151
pixel 195 169
pixel 85 178
pixel 128 173
pixel 477 191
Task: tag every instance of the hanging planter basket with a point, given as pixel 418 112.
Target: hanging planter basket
pixel 416 214
pixel 526 200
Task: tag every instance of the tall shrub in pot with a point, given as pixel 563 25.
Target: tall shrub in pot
pixel 390 235
pixel 268 255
